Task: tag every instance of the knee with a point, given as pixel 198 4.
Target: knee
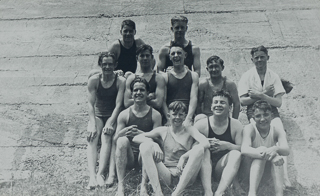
pixel 197 152
pixel 146 148
pixel 235 154
pixel 122 142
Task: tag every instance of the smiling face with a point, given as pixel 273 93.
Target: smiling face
pixel 176 118
pixel 220 106
pixel 145 59
pixel 260 58
pixel 214 68
pixel 263 118
pixel 127 33
pixel 107 65
pixel 177 56
pixel 139 92
pixel 179 29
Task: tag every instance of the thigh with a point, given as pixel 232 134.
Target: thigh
pixel 221 164
pixel 165 174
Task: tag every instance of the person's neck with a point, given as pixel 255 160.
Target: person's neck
pixel 108 77
pixel 127 44
pixel 177 129
pixel 262 72
pixel 220 120
pixel 179 69
pixel 180 41
pixel 216 80
pixel 146 70
pixel 140 106
pixel 264 132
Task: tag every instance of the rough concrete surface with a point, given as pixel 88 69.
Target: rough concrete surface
pixel 48 47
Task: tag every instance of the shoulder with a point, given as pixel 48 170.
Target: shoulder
pixel 114 45
pixel 130 79
pixel 165 48
pixel 202 126
pixel 230 83
pixel 203 82
pixel 139 42
pixel 93 80
pixel 159 77
pixel 249 130
pixel 195 76
pixel 155 113
pixel 123 115
pixel 236 124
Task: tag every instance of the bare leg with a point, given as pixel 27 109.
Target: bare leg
pixel 256 172
pixel 277 176
pixel 152 169
pixel 191 169
pixel 205 173
pixel 123 151
pixel 112 166
pixel 143 188
pixel 92 154
pixel 228 165
pixel 106 142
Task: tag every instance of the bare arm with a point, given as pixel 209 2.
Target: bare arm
pixel 128 101
pixel 235 99
pixel 92 89
pixel 246 146
pixel 159 94
pixel 196 60
pixel 161 64
pixel 282 148
pixel 156 118
pixel 121 125
pixel 201 139
pixel 148 136
pixel 193 96
pixel 115 48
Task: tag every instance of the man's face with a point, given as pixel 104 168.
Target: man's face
pixel 262 118
pixel 220 106
pixel 176 118
pixel 107 65
pixel 127 33
pixel 139 92
pixel 145 58
pixel 179 29
pixel 260 59
pixel 177 56
pixel 214 69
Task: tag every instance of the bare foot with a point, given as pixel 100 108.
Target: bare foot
pixel 110 181
pixel 120 191
pixel 92 183
pixel 287 184
pixel 100 179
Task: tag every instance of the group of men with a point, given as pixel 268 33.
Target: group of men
pixel 176 127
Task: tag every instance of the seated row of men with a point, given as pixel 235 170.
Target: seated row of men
pixel 173 98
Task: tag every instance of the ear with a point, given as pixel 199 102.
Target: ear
pixel 116 64
pixel 171 28
pixel 187 28
pixel 120 31
pixel 222 67
pixel 134 32
pixel 185 55
pixel 137 57
pixel 168 115
pixel 268 58
pixel 252 59
pixel 207 68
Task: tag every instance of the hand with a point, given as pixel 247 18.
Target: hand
pixel 218 145
pixel 270 153
pixel 277 160
pixel 158 154
pixel 92 133
pixel 269 90
pixel 180 165
pixel 262 152
pixel 133 131
pixel 126 131
pixel 108 129
pixel 119 72
pixel 254 94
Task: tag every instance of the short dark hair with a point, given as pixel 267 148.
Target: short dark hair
pixel 143 48
pixel 129 23
pixel 223 93
pixel 179 18
pixel 262 105
pixel 260 48
pixel 178 106
pixel 106 54
pixel 141 80
pixel 216 59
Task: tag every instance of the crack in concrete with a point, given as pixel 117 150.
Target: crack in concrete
pixel 80 146
pixel 64 84
pixel 25 103
pixel 156 14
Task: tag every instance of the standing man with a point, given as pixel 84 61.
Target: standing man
pixel 225 136
pixel 125 49
pixel 264 142
pixel 181 83
pixel 136 119
pixel 179 158
pixel 216 82
pixel 105 102
pixel 179 28
pixel 156 81
pixel 261 83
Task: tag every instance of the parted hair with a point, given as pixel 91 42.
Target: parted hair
pixel 223 93
pixel 260 48
pixel 262 105
pixel 106 54
pixel 143 48
pixel 178 106
pixel 129 23
pixel 141 80
pixel 216 59
pixel 179 18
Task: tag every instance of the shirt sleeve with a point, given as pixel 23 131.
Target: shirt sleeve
pixel 243 85
pixel 278 87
